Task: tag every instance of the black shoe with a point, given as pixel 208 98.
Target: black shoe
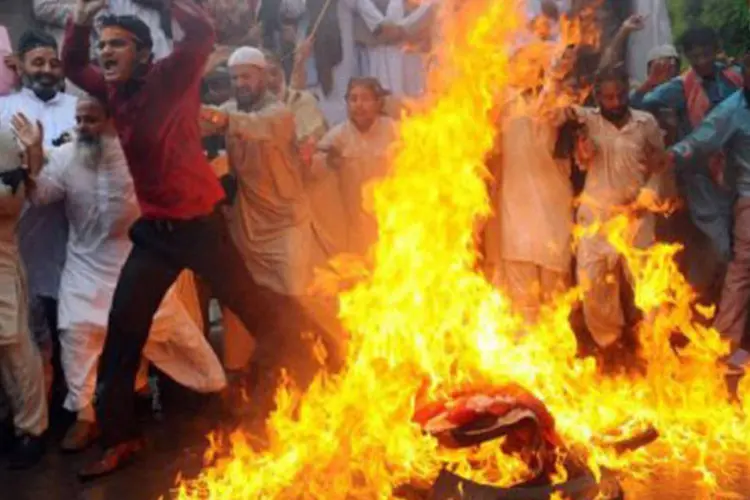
pixel 27 452
pixel 7 436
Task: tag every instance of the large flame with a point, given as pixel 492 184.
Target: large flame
pixel 425 322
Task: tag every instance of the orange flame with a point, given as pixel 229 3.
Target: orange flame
pixel 424 322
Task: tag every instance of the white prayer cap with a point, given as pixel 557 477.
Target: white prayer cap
pixel 247 56
pixel 662 52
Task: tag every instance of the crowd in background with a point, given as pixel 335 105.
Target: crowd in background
pixel 300 108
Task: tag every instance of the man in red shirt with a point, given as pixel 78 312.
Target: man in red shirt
pixel 155 109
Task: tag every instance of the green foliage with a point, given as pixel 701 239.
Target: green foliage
pixel 730 18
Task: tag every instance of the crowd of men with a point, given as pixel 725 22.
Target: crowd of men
pixel 155 155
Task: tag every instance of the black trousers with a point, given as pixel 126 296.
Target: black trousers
pixel 162 249
pixel 49 306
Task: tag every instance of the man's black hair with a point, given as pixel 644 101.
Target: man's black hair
pixel 140 30
pixel 698 36
pixel 616 73
pixel 34 39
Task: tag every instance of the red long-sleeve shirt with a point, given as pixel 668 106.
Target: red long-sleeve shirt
pixel 157 118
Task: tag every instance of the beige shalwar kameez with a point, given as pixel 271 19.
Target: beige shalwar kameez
pixel 364 158
pixel 535 211
pixel 270 221
pixel 21 372
pixel 626 161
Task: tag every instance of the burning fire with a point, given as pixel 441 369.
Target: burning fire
pixel 425 322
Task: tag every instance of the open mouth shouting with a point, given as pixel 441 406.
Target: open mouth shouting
pixel 110 68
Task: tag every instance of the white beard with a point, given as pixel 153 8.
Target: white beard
pixel 89 154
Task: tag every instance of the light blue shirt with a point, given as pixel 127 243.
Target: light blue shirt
pixel 672 95
pixel 726 128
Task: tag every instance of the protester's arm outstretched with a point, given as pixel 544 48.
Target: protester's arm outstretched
pixel 273 124
pixel 713 133
pixel 613 53
pixel 185 66
pixel 75 54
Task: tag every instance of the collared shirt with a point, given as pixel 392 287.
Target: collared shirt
pixel 100 205
pixel 42 231
pixel 672 95
pixel 625 158
pixel 58 115
pixel 156 119
pixel 626 161
pixel 726 128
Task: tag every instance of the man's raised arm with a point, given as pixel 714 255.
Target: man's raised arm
pixel 76 48
pixel 184 66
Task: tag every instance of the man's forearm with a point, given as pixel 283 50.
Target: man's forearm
pixel 75 53
pixel 75 56
pixel 613 53
pixel 35 160
pixel 194 22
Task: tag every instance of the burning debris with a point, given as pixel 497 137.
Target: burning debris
pixel 520 425
pixel 424 323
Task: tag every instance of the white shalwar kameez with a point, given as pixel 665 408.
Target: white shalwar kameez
pixel 101 206
pixel 535 211
pixel 333 105
pixel 398 69
pixel 42 231
pixel 627 160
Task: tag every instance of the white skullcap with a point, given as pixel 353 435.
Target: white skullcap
pixel 247 56
pixel 662 52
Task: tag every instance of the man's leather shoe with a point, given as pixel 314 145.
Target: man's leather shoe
pixel 7 436
pixel 27 452
pixel 112 459
pixel 80 435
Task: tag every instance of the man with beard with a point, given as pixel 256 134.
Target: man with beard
pixel 621 151
pixel 155 109
pixel 42 231
pixel 270 220
pixel 91 177
pixel 692 96
pixel 728 126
